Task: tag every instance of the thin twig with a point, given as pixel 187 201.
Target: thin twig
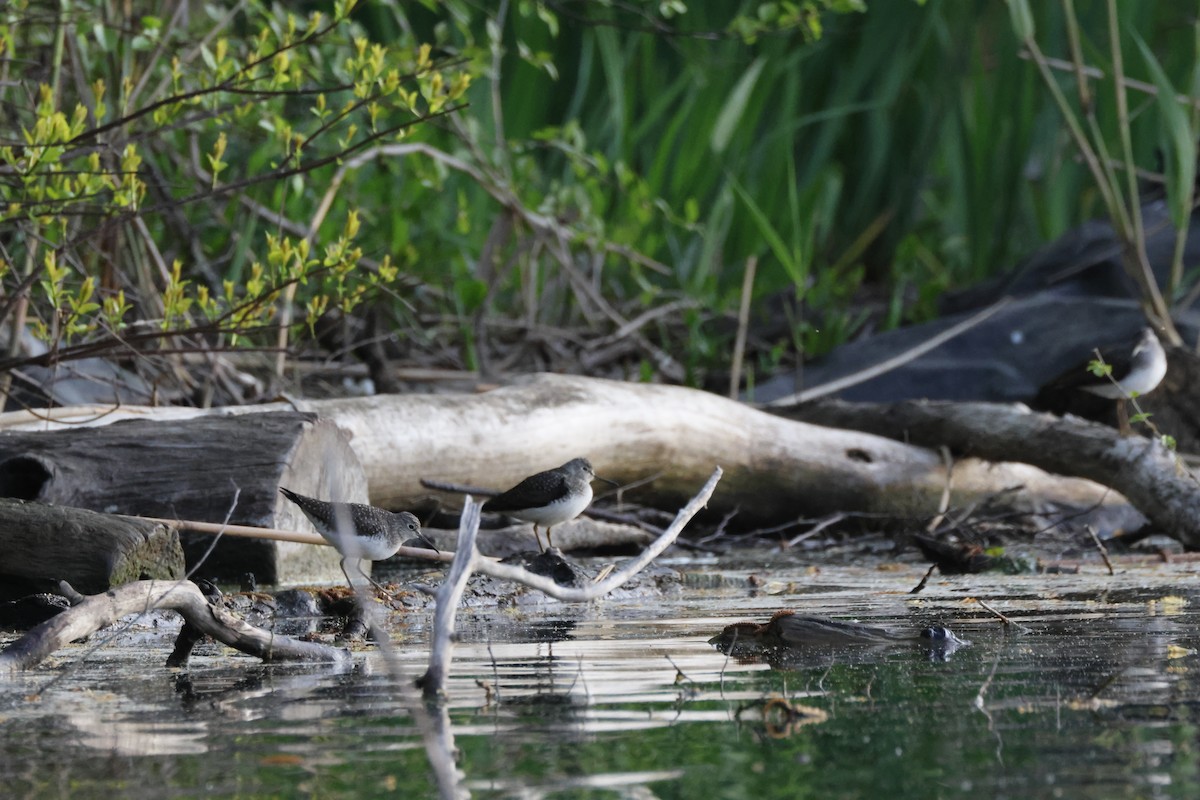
pixel 739 344
pixel 1100 548
pixel 944 503
pixel 920 587
pixel 1006 620
pixel 895 361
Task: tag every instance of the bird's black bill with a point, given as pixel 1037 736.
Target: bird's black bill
pixel 422 541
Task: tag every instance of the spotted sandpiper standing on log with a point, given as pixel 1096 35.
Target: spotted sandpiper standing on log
pixel 1132 370
pixel 549 497
pixel 1135 371
pixel 356 530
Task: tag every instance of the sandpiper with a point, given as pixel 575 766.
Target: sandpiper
pixel 1135 370
pixel 549 497
pixel 356 530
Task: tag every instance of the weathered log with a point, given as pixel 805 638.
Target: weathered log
pixel 92 551
pixel 214 468
pixel 102 610
pixel 1143 470
pixel 776 469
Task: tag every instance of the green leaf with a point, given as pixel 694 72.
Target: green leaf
pixel 1181 140
pixel 100 32
pixel 731 115
pixel 768 232
pixel 470 293
pixel 1022 18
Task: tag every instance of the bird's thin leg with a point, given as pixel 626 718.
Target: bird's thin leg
pixel 539 538
pixel 349 582
pixel 549 544
pixel 374 582
pixel 377 585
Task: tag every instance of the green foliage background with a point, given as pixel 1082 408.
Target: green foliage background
pixel 181 177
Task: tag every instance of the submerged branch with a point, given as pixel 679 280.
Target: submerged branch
pixel 433 682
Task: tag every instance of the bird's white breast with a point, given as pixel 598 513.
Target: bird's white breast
pixel 1142 379
pixel 562 510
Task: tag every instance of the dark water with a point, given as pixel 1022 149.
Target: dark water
pixel 1098 699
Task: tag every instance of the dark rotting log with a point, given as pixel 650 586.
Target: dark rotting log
pixel 90 550
pixel 34 609
pixel 219 468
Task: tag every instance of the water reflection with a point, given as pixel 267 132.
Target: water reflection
pixel 1096 700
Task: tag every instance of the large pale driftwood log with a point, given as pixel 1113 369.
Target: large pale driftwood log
pixel 775 469
pixel 91 551
pixel 1141 469
pixel 215 469
pixel 100 611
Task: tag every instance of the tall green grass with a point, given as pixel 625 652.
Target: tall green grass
pixel 911 148
pixel 907 150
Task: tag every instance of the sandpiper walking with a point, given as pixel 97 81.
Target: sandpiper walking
pixel 356 530
pixel 549 497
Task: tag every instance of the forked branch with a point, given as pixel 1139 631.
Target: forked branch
pixel 433 682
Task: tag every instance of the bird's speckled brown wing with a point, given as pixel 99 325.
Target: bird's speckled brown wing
pixel 536 490
pixel 365 519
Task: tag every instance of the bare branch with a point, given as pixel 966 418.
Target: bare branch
pixel 99 611
pixel 617 578
pixel 433 682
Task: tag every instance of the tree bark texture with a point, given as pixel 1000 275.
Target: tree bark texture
pixel 91 551
pixel 775 469
pixel 1143 470
pixel 213 468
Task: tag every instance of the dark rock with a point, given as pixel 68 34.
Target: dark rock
pixel 1067 298
pixel 30 611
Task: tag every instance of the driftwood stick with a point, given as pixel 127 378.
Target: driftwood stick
pixel 190 635
pixel 102 610
pixel 433 682
pixel 276 534
pixel 244 531
pixel 617 578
